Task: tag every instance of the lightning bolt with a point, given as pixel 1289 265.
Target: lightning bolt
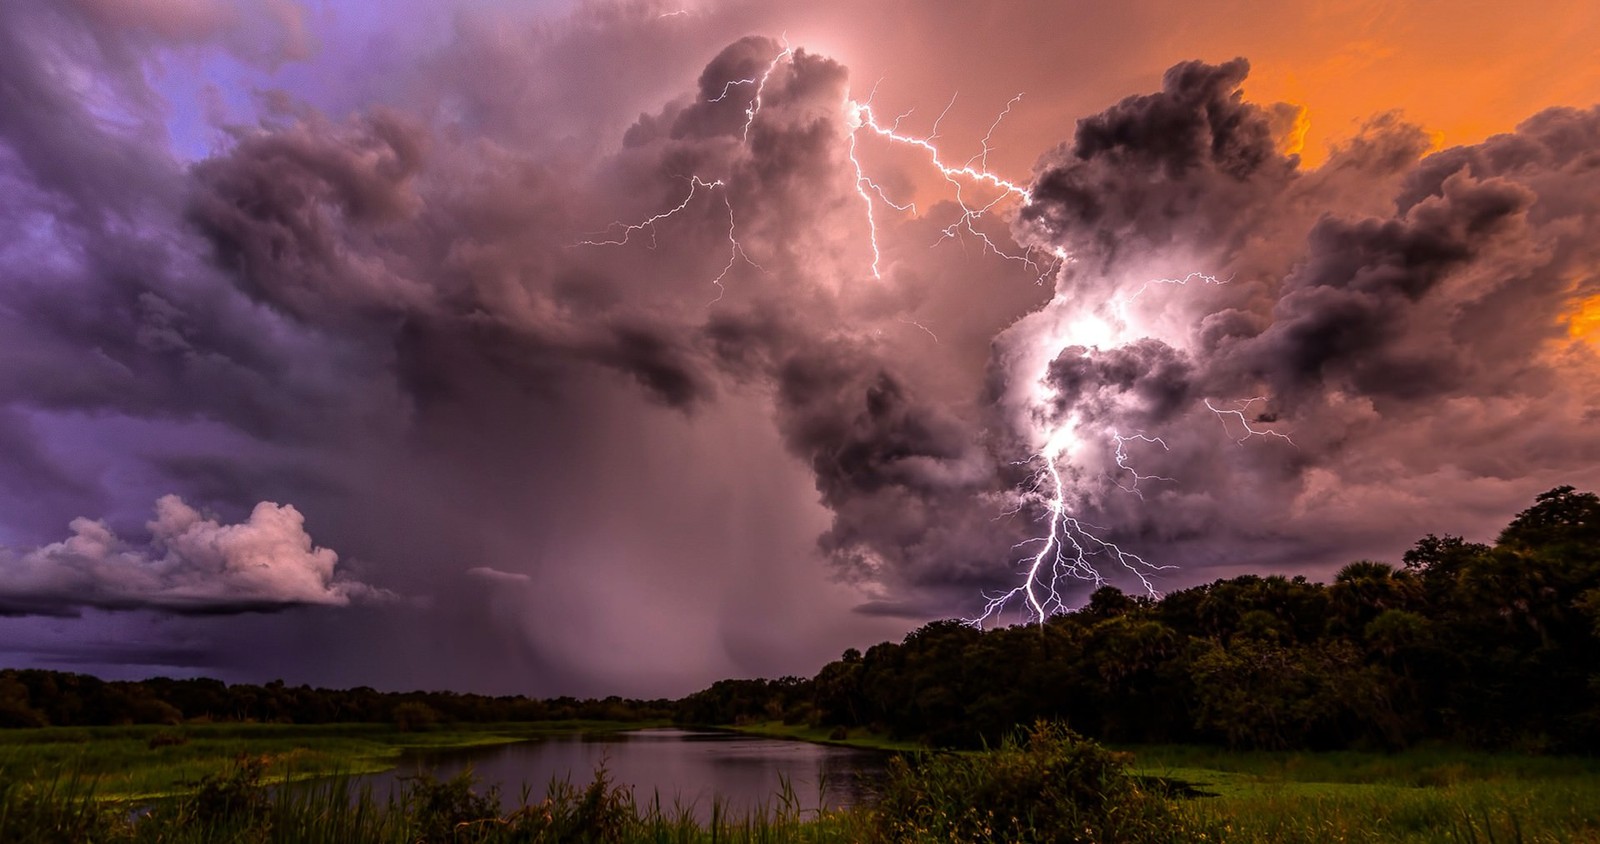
pixel 925 329
pixel 736 251
pixel 1067 549
pixel 972 173
pixel 754 107
pixel 862 117
pixel 1121 457
pixel 1121 304
pixel 1244 422
pixel 1200 277
pixel 859 117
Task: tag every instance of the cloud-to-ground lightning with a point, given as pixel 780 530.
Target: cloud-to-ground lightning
pixel 1068 549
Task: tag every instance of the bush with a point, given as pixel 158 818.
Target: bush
pixel 233 797
pixel 599 813
pixel 450 810
pixel 1047 785
pixel 413 716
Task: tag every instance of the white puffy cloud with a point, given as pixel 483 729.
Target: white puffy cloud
pixel 192 565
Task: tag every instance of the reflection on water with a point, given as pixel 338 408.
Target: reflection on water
pixel 682 767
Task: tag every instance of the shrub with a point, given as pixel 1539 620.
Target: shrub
pixel 450 810
pixel 1047 785
pixel 234 797
pixel 414 715
pixel 599 813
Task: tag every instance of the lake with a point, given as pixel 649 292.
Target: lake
pixel 683 767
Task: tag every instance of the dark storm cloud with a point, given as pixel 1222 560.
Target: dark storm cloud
pixel 330 224
pixel 104 307
pixel 1158 170
pixel 1145 383
pixel 1343 318
pixel 905 479
pixel 609 452
pixel 293 212
pixel 1403 317
pixel 32 481
pixel 464 264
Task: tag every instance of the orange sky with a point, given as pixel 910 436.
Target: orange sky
pixel 1463 70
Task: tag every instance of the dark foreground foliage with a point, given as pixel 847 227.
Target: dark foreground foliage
pixel 1048 786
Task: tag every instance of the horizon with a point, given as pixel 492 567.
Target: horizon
pixel 592 348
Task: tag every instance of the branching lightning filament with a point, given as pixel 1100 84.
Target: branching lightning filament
pixel 1122 462
pixel 859 116
pixel 1244 421
pixel 736 251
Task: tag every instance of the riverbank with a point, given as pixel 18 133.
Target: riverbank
pixel 143 762
pixel 856 737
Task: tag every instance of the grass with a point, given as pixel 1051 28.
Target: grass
pixel 144 761
pixel 1425 795
pixel 824 735
pixel 1420 796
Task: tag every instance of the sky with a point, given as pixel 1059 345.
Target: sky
pixel 618 347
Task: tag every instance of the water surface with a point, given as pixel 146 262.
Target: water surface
pixel 684 768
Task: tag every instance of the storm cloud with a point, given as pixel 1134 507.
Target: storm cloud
pixel 613 342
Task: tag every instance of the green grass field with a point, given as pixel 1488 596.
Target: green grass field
pixel 1428 794
pixel 139 762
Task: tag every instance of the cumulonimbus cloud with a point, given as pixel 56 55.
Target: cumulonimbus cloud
pixel 192 565
pixel 431 308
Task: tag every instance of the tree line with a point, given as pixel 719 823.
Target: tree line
pixel 39 698
pixel 1489 645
